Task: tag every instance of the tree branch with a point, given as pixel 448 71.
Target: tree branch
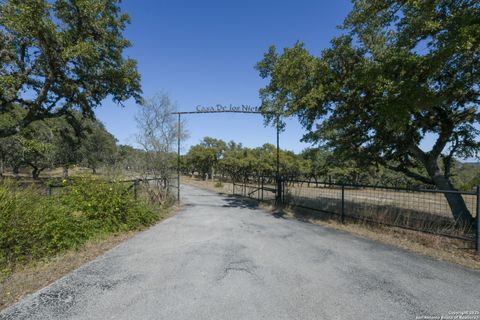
pixel 446 130
pixel 411 174
pixel 28 119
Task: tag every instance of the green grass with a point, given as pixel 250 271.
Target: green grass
pixel 34 227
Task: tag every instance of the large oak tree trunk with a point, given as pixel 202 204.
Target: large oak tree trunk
pixel 459 209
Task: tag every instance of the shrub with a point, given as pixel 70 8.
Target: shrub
pixel 219 184
pixel 34 226
pixel 108 204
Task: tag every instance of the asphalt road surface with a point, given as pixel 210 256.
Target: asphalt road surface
pixel 221 258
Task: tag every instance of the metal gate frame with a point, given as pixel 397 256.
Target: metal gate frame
pixel 222 109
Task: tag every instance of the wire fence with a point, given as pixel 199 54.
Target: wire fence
pixel 261 188
pixel 153 190
pixel 422 210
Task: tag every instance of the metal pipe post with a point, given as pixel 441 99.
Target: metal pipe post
pixel 342 217
pixel 477 218
pixel 262 186
pixel 279 183
pixel 178 160
pixel 135 189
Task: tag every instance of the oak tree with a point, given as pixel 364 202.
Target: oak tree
pixel 60 56
pixel 401 72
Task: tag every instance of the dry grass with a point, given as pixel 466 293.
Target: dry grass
pixel 31 278
pixel 427 202
pixel 26 173
pixel 437 247
pixel 226 187
pixel 431 203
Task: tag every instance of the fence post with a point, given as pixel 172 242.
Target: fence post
pixel 49 190
pixel 233 186
pixel 477 218
pixel 342 216
pixel 259 183
pixel 135 192
pixel 262 187
pixel 278 195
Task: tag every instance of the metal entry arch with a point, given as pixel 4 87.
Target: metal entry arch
pixel 230 109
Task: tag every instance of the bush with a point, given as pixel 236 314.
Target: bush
pixel 34 226
pixel 219 184
pixel 108 204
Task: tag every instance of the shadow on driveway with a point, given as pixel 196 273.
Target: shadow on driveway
pixel 240 203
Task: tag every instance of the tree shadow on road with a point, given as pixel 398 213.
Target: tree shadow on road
pixel 240 203
pixel 279 213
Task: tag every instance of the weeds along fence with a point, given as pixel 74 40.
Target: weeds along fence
pixel 420 210
pixel 153 190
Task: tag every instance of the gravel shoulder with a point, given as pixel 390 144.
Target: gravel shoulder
pixel 222 258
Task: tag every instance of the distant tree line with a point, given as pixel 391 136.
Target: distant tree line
pixel 61 143
pixel 54 143
pixel 216 159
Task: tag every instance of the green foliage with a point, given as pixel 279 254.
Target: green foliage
pixel 33 226
pixel 109 204
pixel 402 71
pixel 60 56
pixel 97 146
pixel 204 157
pixel 237 162
pixel 314 164
pixel 467 176
pixel 55 143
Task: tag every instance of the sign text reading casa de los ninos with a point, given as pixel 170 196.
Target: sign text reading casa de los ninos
pixel 229 108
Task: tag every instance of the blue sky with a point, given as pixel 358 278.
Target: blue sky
pixel 204 52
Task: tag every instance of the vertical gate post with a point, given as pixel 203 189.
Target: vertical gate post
pixel 178 159
pixel 135 187
pixel 262 187
pixel 342 216
pixel 477 218
pixel 278 196
pixel 258 188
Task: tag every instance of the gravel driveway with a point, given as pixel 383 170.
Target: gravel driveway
pixel 221 258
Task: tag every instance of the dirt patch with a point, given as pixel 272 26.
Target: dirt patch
pixel 31 278
pixel 216 186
